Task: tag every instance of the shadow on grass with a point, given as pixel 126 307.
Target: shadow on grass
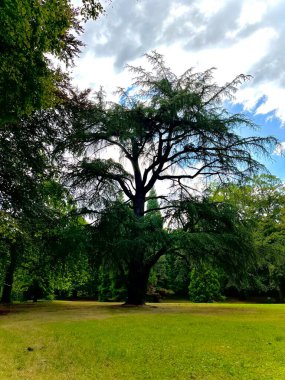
pixel 79 310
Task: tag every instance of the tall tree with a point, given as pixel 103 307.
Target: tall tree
pixel 166 128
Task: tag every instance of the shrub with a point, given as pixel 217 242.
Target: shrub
pixel 204 284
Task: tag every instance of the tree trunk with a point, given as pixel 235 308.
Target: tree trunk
pixel 9 276
pixel 138 272
pixel 137 283
pixel 139 203
pixel 280 296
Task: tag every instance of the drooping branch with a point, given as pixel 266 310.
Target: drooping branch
pixel 100 172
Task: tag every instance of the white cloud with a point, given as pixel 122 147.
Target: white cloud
pixel 280 149
pixel 244 36
pixel 235 36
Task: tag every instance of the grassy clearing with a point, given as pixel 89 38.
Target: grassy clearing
pixel 89 340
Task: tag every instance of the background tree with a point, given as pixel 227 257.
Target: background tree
pixel 260 202
pixel 204 284
pixel 31 156
pixel 48 254
pixel 167 128
pixel 22 167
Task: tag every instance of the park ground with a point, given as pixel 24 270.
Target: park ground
pixel 90 340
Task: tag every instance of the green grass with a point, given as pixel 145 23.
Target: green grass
pixel 89 340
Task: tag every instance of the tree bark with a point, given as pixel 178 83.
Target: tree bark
pixel 139 204
pixel 137 283
pixel 9 276
pixel 280 296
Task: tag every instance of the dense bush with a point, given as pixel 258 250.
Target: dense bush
pixel 204 284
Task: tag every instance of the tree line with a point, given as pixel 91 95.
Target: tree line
pixel 79 210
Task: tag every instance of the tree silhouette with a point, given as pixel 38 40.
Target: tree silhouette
pixel 165 127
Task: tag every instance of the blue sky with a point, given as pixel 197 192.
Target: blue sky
pixel 269 125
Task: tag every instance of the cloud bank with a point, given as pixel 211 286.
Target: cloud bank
pixel 235 36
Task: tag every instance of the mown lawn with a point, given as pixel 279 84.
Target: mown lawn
pixel 89 340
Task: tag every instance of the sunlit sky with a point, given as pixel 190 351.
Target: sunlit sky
pixel 244 36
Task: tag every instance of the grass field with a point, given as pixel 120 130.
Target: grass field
pixel 89 340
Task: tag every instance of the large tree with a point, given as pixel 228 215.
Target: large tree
pixel 165 129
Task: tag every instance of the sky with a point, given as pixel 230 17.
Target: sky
pixel 234 36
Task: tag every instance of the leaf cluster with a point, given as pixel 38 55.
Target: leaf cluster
pixel 33 34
